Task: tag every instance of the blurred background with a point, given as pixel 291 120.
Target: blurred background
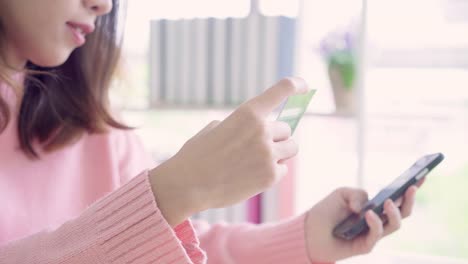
pixel 392 81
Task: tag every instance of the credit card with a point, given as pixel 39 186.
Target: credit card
pixel 294 108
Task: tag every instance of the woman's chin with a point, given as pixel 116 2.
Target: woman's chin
pixel 51 60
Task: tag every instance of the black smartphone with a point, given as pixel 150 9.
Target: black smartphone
pixel 356 224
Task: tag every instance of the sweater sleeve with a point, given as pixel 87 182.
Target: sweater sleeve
pixel 123 227
pixel 225 243
pixel 260 244
pixel 272 243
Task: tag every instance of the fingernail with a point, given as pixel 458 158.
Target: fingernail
pixel 388 202
pixel 299 83
pixel 372 214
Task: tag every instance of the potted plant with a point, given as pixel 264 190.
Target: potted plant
pixel 339 54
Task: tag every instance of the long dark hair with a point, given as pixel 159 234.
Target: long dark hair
pixel 60 104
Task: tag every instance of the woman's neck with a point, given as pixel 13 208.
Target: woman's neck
pixel 11 68
pixel 11 63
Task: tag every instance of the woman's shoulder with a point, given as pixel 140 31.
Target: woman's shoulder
pixel 122 147
pixel 132 155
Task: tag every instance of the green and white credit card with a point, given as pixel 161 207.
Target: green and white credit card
pixel 293 109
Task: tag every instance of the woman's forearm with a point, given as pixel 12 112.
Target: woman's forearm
pixel 125 226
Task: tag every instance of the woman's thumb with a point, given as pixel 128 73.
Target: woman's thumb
pixel 355 198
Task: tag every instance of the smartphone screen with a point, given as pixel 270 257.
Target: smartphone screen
pixel 356 224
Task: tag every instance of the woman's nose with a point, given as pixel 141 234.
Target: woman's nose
pixel 99 7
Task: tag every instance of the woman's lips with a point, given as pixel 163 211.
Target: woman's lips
pixel 79 32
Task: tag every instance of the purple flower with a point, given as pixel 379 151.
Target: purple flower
pixel 340 40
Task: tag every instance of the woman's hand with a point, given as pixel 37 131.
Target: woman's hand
pixel 324 216
pixel 228 161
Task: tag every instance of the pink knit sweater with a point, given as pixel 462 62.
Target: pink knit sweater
pixel 91 202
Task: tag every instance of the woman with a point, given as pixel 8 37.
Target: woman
pixel 76 186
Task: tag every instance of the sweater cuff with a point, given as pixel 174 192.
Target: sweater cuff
pixel 279 242
pixel 284 242
pixel 132 229
pixel 186 234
